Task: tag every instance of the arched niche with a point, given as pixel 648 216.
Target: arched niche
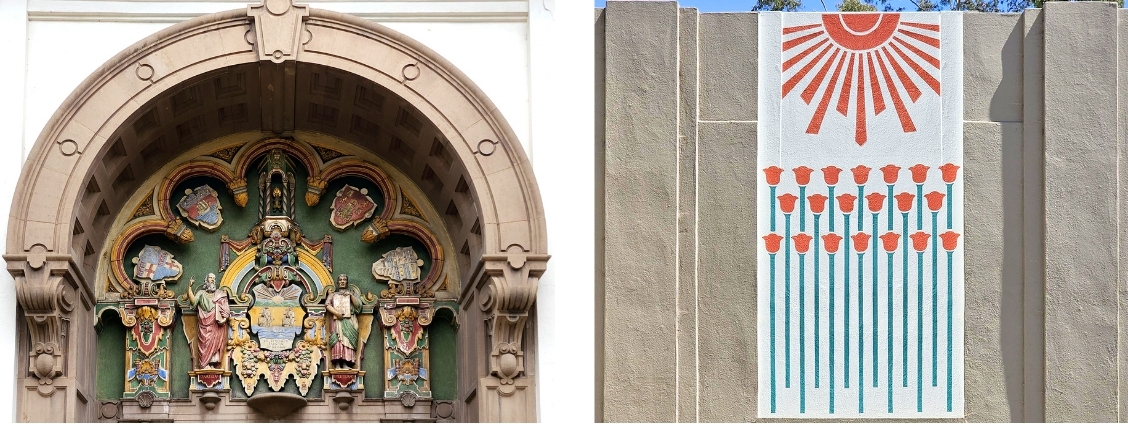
pixel 281 70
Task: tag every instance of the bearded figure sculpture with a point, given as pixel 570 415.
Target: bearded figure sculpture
pixel 212 315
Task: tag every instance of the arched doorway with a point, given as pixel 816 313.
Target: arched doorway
pixel 294 74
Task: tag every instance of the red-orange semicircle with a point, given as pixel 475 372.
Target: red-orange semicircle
pixel 860 31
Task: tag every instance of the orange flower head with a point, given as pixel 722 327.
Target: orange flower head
pixel 889 241
pixel 950 239
pixel 772 174
pixel 771 241
pixel 846 202
pixel 802 242
pixel 861 241
pixel 787 202
pixel 920 173
pixel 889 172
pixel 935 200
pixel 803 175
pixel 818 202
pixel 875 201
pixel 904 201
pixel 920 240
pixel 830 174
pixel 948 172
pixel 861 174
pixel 831 241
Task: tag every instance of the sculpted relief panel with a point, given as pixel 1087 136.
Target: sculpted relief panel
pixel 303 298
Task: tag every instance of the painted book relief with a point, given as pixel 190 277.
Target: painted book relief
pixel 860 215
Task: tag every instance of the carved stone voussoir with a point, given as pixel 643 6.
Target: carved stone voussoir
pixel 508 288
pixel 48 288
pixel 279 25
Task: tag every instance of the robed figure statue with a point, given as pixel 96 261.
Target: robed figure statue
pixel 211 317
pixel 344 336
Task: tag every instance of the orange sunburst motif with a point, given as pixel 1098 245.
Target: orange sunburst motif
pixel 876 51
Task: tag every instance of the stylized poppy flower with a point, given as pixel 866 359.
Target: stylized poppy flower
pixel 889 241
pixel 920 240
pixel 787 202
pixel 861 240
pixel 861 174
pixel 890 173
pixel 830 174
pixel 771 241
pixel 935 200
pixel 803 175
pixel 861 45
pixel 830 242
pixel 875 201
pixel 818 202
pixel 920 172
pixel 846 202
pixel 950 239
pixel 904 201
pixel 948 172
pixel 772 174
pixel 802 242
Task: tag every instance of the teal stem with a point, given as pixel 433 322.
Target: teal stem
pixel 831 207
pixel 889 333
pixel 890 197
pixel 846 304
pixel 935 302
pixel 802 208
pixel 818 308
pixel 831 276
pixel 874 293
pixel 920 331
pixel 904 299
pixel 861 341
pixel 949 208
pixel 772 339
pixel 787 301
pixel 802 337
pixel 950 331
pixel 773 208
pixel 919 208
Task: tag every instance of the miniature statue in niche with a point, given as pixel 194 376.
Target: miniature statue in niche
pixel 212 305
pixel 343 305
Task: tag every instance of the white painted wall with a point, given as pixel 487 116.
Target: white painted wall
pixel 533 58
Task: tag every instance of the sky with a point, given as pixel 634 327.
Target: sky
pixel 746 5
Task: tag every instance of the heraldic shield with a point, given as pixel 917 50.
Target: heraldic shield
pixel 351 206
pixel 201 207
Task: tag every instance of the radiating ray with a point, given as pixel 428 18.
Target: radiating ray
pixel 928 78
pixel 934 42
pixel 878 100
pixel 910 86
pixel 794 29
pixel 794 80
pixel 898 105
pixel 860 130
pixel 799 57
pixel 930 27
pixel 932 60
pixel 789 44
pixel 844 97
pixel 813 87
pixel 816 121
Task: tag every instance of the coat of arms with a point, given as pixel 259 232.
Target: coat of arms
pixel 399 265
pixel 155 264
pixel 351 206
pixel 201 207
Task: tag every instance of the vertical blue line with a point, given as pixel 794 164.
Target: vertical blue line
pixel 949 206
pixel 831 275
pixel 950 331
pixel 889 323
pixel 831 207
pixel 890 196
pixel 905 300
pixel 802 337
pixel 919 208
pixel 920 331
pixel 846 304
pixel 874 306
pixel 772 339
pixel 935 302
pixel 861 206
pixel 818 310
pixel 773 208
pixel 787 301
pixel 802 208
pixel 861 341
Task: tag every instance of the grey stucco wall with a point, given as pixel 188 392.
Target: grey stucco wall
pixel 676 146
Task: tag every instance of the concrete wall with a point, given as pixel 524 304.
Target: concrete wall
pixel 676 180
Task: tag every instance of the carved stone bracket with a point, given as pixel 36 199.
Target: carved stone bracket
pixel 48 289
pixel 508 286
pixel 278 29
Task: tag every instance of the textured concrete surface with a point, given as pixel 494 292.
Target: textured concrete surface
pixel 1043 145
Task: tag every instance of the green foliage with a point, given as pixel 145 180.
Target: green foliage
pixel 855 6
pixel 777 5
pixel 993 6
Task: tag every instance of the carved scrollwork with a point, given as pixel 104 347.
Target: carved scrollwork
pixel 507 290
pixel 48 292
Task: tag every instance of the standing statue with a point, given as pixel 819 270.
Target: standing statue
pixel 344 335
pixel 211 316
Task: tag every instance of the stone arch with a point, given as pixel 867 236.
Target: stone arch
pixel 92 154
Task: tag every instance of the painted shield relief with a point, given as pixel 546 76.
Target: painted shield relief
pixel 351 206
pixel 860 215
pixel 201 207
pixel 155 264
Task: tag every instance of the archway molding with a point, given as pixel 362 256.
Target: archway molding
pixel 79 170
